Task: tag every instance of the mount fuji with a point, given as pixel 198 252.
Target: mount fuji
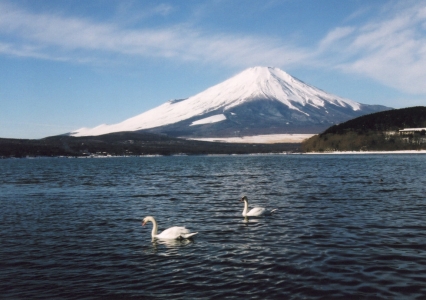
pixel 259 100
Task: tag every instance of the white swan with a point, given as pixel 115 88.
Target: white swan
pixel 171 233
pixel 254 212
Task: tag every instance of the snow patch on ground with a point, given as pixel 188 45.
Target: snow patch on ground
pixel 260 139
pixel 209 120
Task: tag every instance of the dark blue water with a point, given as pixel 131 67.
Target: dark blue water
pixel 348 226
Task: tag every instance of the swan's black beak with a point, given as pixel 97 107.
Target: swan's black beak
pixel 143 223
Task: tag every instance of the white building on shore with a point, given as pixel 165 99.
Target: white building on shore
pixel 406 131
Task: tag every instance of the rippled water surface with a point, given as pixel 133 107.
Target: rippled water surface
pixel 348 226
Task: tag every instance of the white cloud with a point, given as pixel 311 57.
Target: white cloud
pixel 335 35
pixel 391 49
pixel 56 37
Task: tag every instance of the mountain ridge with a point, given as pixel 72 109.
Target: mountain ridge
pixel 272 100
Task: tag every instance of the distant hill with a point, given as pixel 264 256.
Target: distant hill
pixel 394 119
pixel 377 131
pixel 128 143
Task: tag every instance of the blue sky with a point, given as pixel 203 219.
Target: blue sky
pixel 71 64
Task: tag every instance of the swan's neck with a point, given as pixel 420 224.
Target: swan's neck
pixel 154 227
pixel 245 208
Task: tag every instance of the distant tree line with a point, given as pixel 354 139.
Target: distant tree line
pixel 129 143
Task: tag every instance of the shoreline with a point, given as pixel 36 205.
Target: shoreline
pixel 368 152
pixel 230 154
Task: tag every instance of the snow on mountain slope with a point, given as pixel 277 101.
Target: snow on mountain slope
pixel 252 84
pixel 209 120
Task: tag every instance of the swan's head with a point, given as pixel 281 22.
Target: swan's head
pixel 147 219
pixel 244 198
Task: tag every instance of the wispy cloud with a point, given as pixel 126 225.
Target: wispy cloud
pixel 390 49
pixel 57 37
pixel 334 36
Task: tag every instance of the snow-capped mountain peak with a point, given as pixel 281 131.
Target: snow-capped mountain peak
pixel 253 84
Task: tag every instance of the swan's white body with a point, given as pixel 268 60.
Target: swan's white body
pixel 171 233
pixel 254 212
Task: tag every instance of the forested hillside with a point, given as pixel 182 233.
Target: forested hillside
pixel 373 132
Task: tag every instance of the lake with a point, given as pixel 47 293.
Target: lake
pixel 347 226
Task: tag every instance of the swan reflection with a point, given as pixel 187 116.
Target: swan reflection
pixel 171 243
pixel 247 220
